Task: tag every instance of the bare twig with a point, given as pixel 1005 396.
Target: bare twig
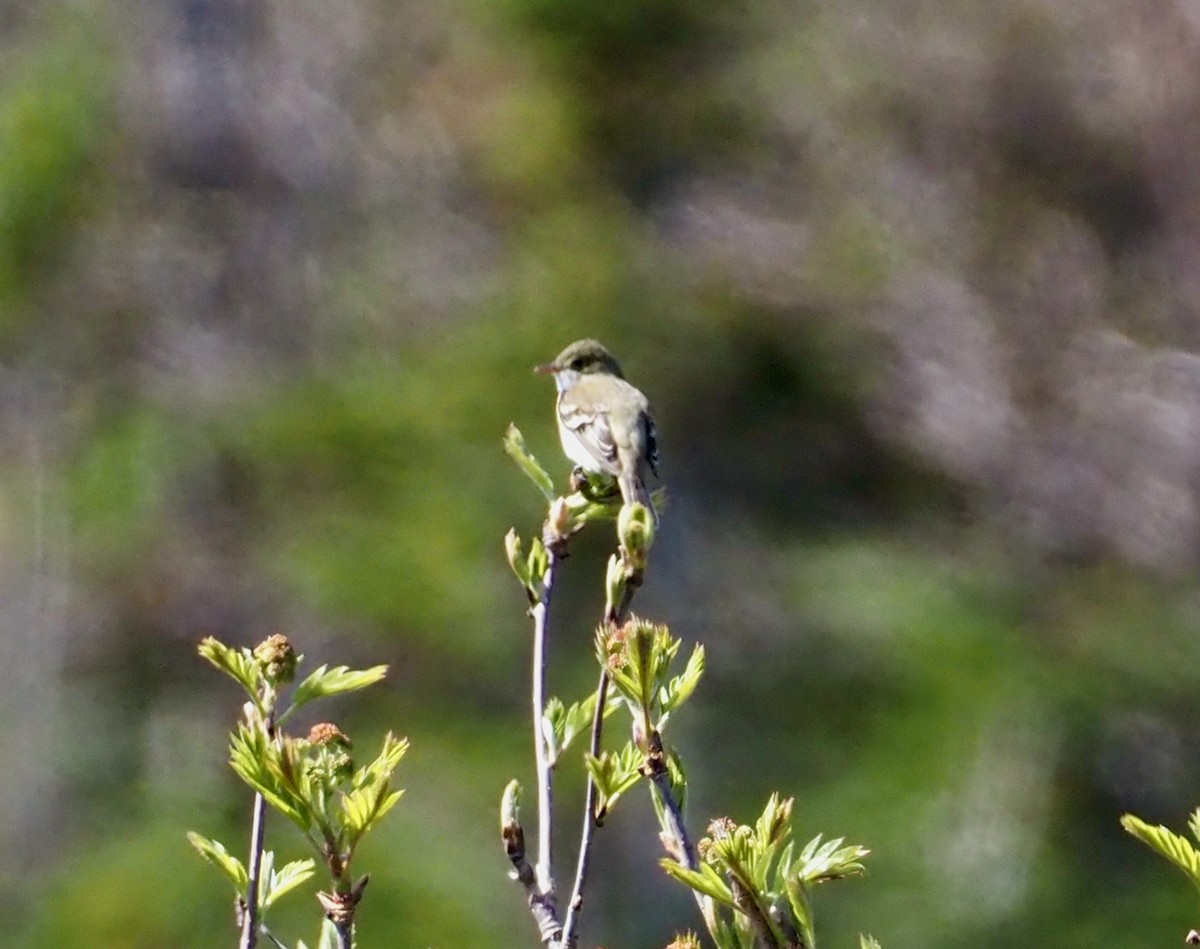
pixel 571 923
pixel 541 905
pixel 614 615
pixel 250 919
pixel 685 852
pixel 545 774
pixel 675 834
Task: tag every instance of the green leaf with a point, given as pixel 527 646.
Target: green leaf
pixel 1175 848
pixel 569 723
pixel 216 854
pixel 371 796
pixel 365 807
pixel 868 942
pixel 679 689
pixel 553 727
pixel 325 681
pixel 238 664
pixel 280 882
pixel 260 762
pixel 774 824
pixel 537 565
pixel 329 936
pixel 798 900
pixel 516 556
pixel 514 446
pixel 706 880
pixel 819 862
pixel 614 773
pixel 385 762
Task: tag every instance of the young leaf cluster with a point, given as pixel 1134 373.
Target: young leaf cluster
pixel 1175 848
pixel 638 657
pixel 561 724
pixel 761 884
pixel 272 883
pixel 312 780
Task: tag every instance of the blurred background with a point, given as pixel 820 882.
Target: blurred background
pixel 912 287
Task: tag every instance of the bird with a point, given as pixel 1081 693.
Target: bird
pixel 604 422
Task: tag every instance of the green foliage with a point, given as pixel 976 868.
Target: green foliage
pixel 514 445
pixel 324 681
pixel 311 781
pixel 1178 850
pixel 562 725
pixel 764 890
pixel 371 797
pixel 639 657
pixel 239 664
pixel 614 773
pixel 272 883
pixel 216 854
pixel 529 570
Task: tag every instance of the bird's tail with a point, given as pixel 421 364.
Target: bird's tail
pixel 634 490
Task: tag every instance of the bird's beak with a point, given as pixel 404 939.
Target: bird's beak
pixel 546 369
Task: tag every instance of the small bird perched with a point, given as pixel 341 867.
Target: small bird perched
pixel 603 421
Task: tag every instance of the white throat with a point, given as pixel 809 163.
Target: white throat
pixel 565 378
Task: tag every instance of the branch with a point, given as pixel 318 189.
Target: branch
pixel 675 837
pixel 569 936
pixel 614 615
pixel 748 904
pixel 257 830
pixel 249 938
pixel 541 905
pixel 545 775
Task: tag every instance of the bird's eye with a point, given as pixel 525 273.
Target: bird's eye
pixel 577 363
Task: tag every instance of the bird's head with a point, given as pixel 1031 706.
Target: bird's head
pixel 582 357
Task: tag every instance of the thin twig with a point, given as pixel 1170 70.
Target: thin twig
pixel 545 774
pixel 673 819
pixel 614 615
pixel 571 923
pixel 271 936
pixel 257 830
pixel 745 900
pixel 682 847
pixel 541 905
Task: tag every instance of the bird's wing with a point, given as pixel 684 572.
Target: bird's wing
pixel 651 444
pixel 592 432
